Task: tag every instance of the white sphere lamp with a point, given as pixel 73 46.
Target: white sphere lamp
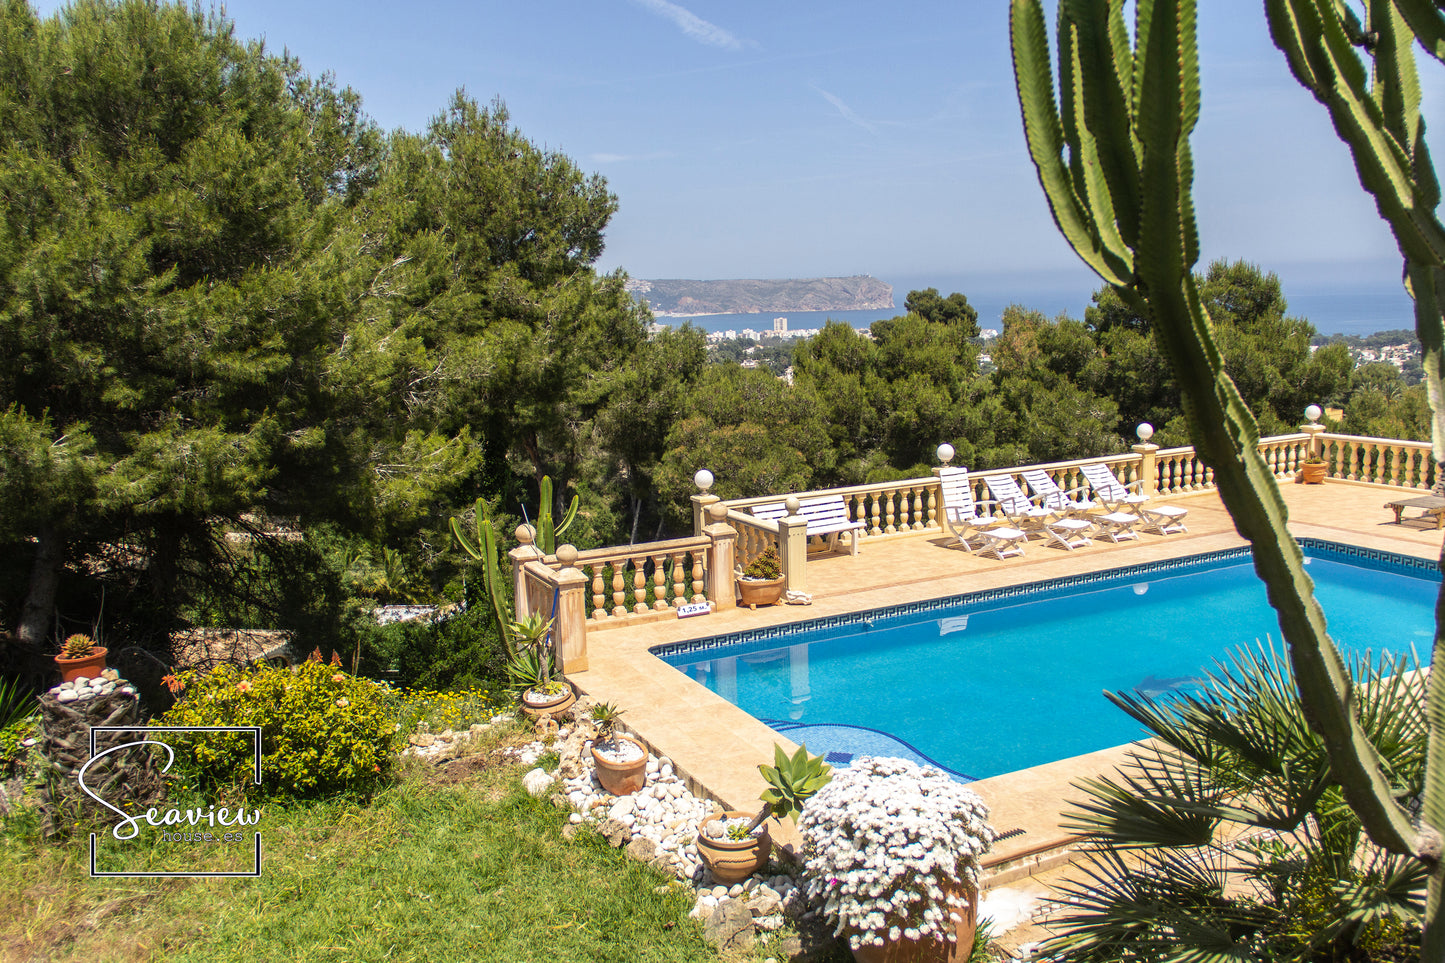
pixel 1145 431
pixel 703 480
pixel 945 453
pixel 1313 413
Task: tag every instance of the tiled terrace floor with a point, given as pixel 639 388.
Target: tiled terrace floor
pixel 720 747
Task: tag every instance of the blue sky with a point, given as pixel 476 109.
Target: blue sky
pixel 751 139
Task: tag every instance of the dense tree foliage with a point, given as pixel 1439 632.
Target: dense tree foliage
pixel 227 298
pixel 232 309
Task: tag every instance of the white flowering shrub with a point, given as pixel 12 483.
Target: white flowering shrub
pixel 884 841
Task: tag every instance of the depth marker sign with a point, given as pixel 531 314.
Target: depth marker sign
pixel 132 821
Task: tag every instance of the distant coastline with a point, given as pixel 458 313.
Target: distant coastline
pixel 1333 306
pixel 687 298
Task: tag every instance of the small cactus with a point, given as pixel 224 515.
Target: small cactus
pixel 77 646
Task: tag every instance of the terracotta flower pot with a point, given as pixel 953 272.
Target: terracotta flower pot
pixel 621 778
pixel 760 591
pixel 1313 473
pixel 733 860
pixel 87 666
pixel 551 706
pixel 933 951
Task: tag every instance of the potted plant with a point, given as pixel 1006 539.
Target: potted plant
pixel 892 849
pixel 735 845
pixel 1312 472
pixel 761 583
pixel 530 669
pixel 80 658
pixel 621 761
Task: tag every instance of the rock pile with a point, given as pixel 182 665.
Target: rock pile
pixel 658 825
pixel 437 746
pixel 84 687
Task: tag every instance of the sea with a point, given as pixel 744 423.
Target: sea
pixel 1354 310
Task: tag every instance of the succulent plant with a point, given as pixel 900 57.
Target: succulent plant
pixel 767 565
pixel 77 646
pixel 793 781
pixel 604 717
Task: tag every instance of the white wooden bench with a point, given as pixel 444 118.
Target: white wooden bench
pixel 826 515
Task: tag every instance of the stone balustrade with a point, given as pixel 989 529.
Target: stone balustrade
pixel 1405 464
pixel 755 535
pixel 621 585
pixel 606 587
pixel 1283 454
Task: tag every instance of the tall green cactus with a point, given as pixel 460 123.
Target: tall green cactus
pixel 547 532
pixel 484 549
pixel 1376 112
pixel 1113 157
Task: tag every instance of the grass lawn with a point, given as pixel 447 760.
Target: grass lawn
pixel 452 863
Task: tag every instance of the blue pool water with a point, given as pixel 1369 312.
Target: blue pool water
pixel 999 681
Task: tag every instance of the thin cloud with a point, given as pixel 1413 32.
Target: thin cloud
pixel 691 24
pixel 848 113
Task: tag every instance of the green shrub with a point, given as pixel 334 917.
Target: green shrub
pixel 14 753
pixel 323 730
pixel 463 650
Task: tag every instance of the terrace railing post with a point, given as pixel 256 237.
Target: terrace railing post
pixel 1148 468
pixel 699 510
pixel 721 558
pixel 1314 431
pixel 526 551
pixel 793 546
pixel 569 630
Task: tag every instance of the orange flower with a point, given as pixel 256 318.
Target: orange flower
pixel 172 683
pixel 243 686
pixel 338 677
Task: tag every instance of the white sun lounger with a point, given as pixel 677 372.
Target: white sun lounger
pixel 1053 497
pixel 1163 519
pixel 960 514
pixel 1067 533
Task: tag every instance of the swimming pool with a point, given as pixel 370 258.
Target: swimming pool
pixel 996 681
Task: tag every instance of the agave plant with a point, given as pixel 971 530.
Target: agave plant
pixel 532 654
pixel 605 717
pixel 792 781
pixel 1228 837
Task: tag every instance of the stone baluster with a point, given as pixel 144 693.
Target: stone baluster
pixel 889 513
pixel 569 631
pixel 599 598
pixel 699 572
pixel 876 529
pixel 918 500
pixel 639 585
pixel 619 588
pixel 720 588
pixel 932 491
pixel 679 574
pixel 659 583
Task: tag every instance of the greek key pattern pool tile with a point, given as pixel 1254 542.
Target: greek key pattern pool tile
pixel 1313 547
